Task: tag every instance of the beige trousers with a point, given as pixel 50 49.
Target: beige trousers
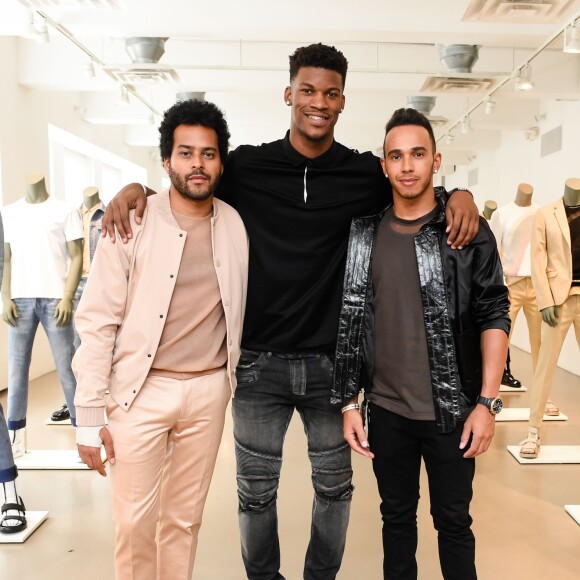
pixel 165 449
pixel 552 340
pixel 522 295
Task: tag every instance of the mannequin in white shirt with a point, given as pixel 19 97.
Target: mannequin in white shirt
pixel 36 194
pixel 512 227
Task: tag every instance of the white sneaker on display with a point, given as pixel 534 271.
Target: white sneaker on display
pixel 18 442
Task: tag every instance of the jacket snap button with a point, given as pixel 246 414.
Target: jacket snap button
pixel 161 316
pixel 171 275
pixel 149 355
pixel 134 391
pixel 125 404
pixel 181 235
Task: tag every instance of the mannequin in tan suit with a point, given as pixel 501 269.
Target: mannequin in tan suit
pixel 558 295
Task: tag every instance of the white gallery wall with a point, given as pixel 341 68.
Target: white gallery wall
pixel 519 160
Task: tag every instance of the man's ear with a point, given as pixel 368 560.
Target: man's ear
pixel 288 95
pixel 166 165
pixel 384 165
pixel 437 162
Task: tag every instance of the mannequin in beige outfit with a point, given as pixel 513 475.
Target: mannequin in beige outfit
pixel 555 265
pixel 512 227
pixel 488 209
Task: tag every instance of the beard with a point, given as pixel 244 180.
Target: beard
pixel 196 192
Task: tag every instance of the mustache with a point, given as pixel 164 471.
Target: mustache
pixel 197 172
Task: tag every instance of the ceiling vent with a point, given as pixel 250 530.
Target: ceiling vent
pixel 145 49
pixel 425 105
pixel 144 75
pixel 458 58
pixel 519 11
pixel 457 84
pixel 190 96
pixel 422 104
pixel 74 4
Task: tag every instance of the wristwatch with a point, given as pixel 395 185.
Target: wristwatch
pixel 494 405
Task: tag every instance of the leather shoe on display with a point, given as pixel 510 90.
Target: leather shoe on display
pixel 61 415
pixel 510 381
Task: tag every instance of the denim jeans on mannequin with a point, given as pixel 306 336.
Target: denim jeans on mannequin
pixel 270 387
pixel 33 311
pixel 7 468
pixel 77 298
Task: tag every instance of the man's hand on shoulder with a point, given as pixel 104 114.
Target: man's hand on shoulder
pixel 132 196
pixel 462 219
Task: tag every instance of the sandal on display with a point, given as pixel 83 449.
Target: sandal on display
pixel 509 380
pixel 530 447
pixel 10 528
pixel 61 414
pixel 551 410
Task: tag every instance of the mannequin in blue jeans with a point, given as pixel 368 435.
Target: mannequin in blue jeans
pixel 23 314
pixel 13 512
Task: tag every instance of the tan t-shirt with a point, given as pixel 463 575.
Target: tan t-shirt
pixel 193 342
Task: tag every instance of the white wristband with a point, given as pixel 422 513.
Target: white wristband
pixel 351 407
pixel 144 189
pixel 89 436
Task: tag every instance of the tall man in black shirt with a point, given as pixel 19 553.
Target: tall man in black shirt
pixel 297 197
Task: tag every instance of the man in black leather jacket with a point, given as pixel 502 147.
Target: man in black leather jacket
pixel 424 330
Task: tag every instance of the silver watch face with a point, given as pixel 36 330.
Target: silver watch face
pixel 496 406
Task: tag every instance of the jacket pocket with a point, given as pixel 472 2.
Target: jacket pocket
pixel 551 273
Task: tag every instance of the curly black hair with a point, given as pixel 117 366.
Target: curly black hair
pixel 318 56
pixel 411 117
pixel 197 113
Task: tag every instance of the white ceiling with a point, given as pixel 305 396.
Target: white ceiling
pixel 237 52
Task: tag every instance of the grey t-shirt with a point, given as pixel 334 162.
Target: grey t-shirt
pixel 402 379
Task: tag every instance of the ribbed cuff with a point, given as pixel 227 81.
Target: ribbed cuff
pixel 90 416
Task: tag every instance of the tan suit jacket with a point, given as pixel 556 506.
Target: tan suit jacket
pixel 551 255
pixel 122 313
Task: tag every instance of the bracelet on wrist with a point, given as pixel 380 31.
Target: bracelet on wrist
pixel 350 407
pixel 144 189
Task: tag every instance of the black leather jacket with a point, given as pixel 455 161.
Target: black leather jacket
pixel 463 294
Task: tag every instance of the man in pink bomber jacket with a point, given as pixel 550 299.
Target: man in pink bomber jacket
pixel 160 324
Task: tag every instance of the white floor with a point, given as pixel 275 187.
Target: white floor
pixel 522 530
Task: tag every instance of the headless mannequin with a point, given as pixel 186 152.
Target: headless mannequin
pixel 488 209
pixel 91 197
pixel 36 193
pixel 551 314
pixel 524 195
pixel 13 520
pixel 571 198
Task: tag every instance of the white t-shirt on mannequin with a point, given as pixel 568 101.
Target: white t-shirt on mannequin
pixel 38 234
pixel 512 227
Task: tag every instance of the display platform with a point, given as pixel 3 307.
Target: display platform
pixel 52 459
pixel 504 389
pixel 49 421
pixel 523 414
pixel 549 454
pixel 34 520
pixel 574 511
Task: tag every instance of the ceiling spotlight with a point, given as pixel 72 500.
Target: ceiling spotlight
pixel 42 32
pixel 572 39
pixel 449 138
pixel 466 125
pixel 123 97
pixel 489 106
pixel 524 79
pixel 88 69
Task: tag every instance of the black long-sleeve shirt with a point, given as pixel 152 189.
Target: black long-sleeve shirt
pixel 297 212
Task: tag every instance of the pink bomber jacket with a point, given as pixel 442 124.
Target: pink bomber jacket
pixel 122 311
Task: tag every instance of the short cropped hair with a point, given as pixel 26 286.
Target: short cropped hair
pixel 411 117
pixel 196 113
pixel 318 56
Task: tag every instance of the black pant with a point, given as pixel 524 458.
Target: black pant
pixel 399 444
